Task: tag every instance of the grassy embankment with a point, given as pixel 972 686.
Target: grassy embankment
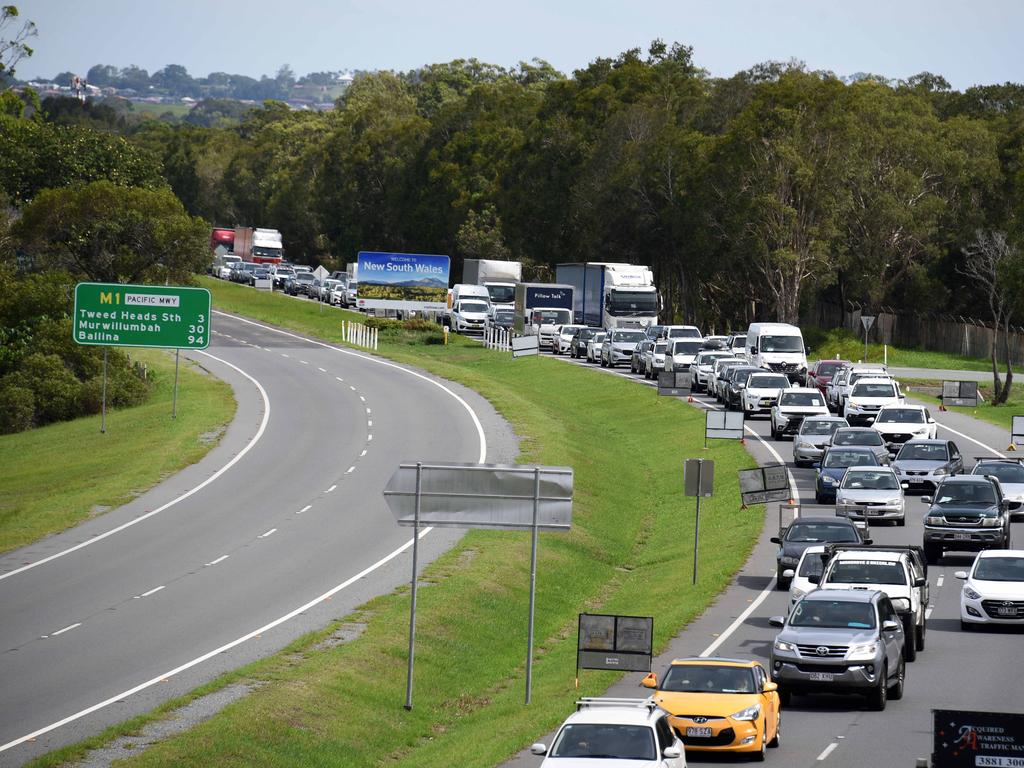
pixel 841 343
pixel 61 474
pixel 629 552
pixel 1000 415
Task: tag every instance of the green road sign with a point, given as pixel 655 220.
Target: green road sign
pixel 111 314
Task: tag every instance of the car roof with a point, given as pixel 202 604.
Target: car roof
pixel 869 469
pixel 624 714
pixel 875 380
pixel 843 595
pixel 861 554
pixel 1001 553
pixel 856 429
pixel 829 417
pixel 841 520
pixel 901 406
pixel 965 479
pixel 927 441
pixel 716 661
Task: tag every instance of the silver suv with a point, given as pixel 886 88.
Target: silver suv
pixel 840 641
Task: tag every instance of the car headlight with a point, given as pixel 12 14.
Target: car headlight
pixel 803 445
pixel 897 502
pixel 829 480
pixel 933 520
pixel 785 647
pixel 864 652
pixel 940 472
pixel 787 560
pixel 990 522
pixel 797 593
pixel 922 431
pixel 901 603
pixel 970 594
pixel 750 713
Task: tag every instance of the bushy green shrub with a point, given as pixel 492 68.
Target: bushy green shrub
pixel 57 391
pixel 17 408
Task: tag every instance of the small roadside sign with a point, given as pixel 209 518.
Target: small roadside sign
pixel 962 393
pixel 727 425
pixel 764 484
pixel 320 273
pixel 698 477
pixel 523 346
pixel 1017 431
pixel 867 321
pixel 674 383
pixel 614 642
pixel 968 739
pixel 116 315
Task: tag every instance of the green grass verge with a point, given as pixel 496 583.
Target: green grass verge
pixel 629 552
pixel 1000 415
pixel 61 474
pixel 841 343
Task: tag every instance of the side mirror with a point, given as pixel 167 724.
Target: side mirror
pixel 789 573
pixel 775 540
pixel 890 626
pixel 770 687
pixel 816 465
pixel 920 581
pixel 650 681
pixel 814 578
pixel 869 541
pixel 671 753
pixel 931 420
pixel 960 574
pixel 777 621
pixel 926 499
pixel 539 749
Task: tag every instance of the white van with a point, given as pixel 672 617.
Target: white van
pixel 461 291
pixel 222 264
pixel 778 347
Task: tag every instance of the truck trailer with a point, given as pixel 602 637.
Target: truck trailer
pixel 611 295
pixel 541 308
pixel 498 277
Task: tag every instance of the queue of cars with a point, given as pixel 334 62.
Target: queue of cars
pixel 858 608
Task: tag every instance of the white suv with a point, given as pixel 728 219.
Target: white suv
pixel 900 423
pixel 624 732
pixel 868 397
pixel 793 406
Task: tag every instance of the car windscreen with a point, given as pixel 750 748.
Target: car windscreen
pixel 504 314
pixel 305 277
pixel 871 481
pixel 709 358
pixel 598 337
pixel 501 294
pixel 626 302
pixel 829 369
pixel 833 614
pixel 819 427
pixel 867 572
pixel 957 494
pixel 900 416
pixel 801 398
pixel 683 333
pixel 849 437
pixel 708 678
pixel 660 347
pixel 923 452
pixel 472 306
pixel 768 382
pixel 1000 569
pixel 607 741
pixel 839 459
pixel 628 336
pixel 1005 472
pixel 820 532
pixel 782 344
pixel 551 316
pixel 686 347
pixel 867 389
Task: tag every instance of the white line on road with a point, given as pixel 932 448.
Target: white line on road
pixel 305 509
pixel 268 533
pixel 339 378
pixel 362 398
pixel 938 581
pixel 350 470
pixel 215 652
pixel 369 438
pixel 351 387
pixel 303 362
pixel 928 612
pixel 322 370
pixel 172 502
pixel 827 750
pixel 363 453
pixel 220 559
pixel 331 488
pixel 369 422
pixel 368 410
pixel 284 355
pixel 150 592
pixel 66 629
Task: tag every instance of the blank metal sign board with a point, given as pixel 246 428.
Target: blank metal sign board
pixel 674 383
pixel 615 642
pixel 763 484
pixel 963 393
pixel 1017 432
pixel 698 477
pixel 525 345
pixel 724 424
pixel 482 496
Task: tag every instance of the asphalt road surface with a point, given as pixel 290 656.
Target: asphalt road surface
pixel 280 529
pixel 976 671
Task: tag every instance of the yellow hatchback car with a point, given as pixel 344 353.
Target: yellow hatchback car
pixel 720 705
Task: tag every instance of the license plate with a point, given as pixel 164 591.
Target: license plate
pixel 1011 611
pixel 962 536
pixel 704 733
pixel 823 677
pixel 874 511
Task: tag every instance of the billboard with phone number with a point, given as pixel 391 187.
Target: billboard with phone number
pixel 402 281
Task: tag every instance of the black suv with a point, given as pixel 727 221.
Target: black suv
pixel 968 513
pixel 578 345
pixel 806 532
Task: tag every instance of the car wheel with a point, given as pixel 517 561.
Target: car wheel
pixel 774 743
pixel 909 640
pixel 776 434
pixel 781 583
pixel 896 692
pixel 759 756
pixel 603 363
pixel 932 554
pixel 901 522
pixel 919 633
pixel 879 697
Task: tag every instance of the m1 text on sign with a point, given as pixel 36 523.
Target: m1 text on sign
pixel 171 317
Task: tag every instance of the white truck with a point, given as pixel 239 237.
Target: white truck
pixel 541 308
pixel 778 347
pixel 498 277
pixel 611 295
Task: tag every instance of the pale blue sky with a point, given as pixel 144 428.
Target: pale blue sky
pixel 967 41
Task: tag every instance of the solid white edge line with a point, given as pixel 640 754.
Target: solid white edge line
pixel 182 497
pixel 210 654
pixel 827 751
pixel 66 629
pixel 976 442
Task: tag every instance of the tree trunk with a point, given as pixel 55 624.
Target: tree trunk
pixel 1002 396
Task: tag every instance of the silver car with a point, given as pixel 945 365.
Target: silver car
pixel 618 346
pixel 871 493
pixel 594 346
pixel 654 359
pixel 703 367
pixel 681 354
pixel 1010 474
pixel 862 437
pixel 815 433
pixel 923 464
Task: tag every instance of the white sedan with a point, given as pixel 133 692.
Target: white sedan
pixel 793 406
pixel 800 577
pixel 993 591
pixel 899 423
pixel 762 392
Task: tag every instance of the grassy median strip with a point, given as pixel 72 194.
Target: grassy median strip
pixel 842 344
pixel 58 475
pixel 629 552
pixel 1000 415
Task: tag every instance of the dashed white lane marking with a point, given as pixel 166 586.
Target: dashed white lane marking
pixel 339 378
pixel 827 751
pixel 939 581
pixel 172 502
pixel 928 613
pixel 284 355
pixel 369 422
pixel 268 533
pixel 153 591
pixel 305 509
pixel 368 410
pixel 351 387
pixel 220 559
pixel 350 470
pixel 362 398
pixel 304 362
pixel 369 438
pixel 322 370
pixel 331 488
pixel 66 629
pixel 363 453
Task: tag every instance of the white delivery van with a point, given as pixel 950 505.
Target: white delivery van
pixel 778 347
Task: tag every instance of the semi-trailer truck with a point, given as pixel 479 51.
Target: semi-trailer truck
pixel 611 295
pixel 541 308
pixel 498 277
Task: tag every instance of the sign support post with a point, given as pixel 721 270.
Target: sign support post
pixel 103 402
pixel 694 482
pixel 696 526
pixel 412 605
pixel 174 401
pixel 867 321
pixel 533 583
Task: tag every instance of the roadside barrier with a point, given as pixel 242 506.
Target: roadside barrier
pixel 359 335
pixel 498 338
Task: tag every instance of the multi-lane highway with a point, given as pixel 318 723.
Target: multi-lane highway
pixel 976 671
pixel 278 530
